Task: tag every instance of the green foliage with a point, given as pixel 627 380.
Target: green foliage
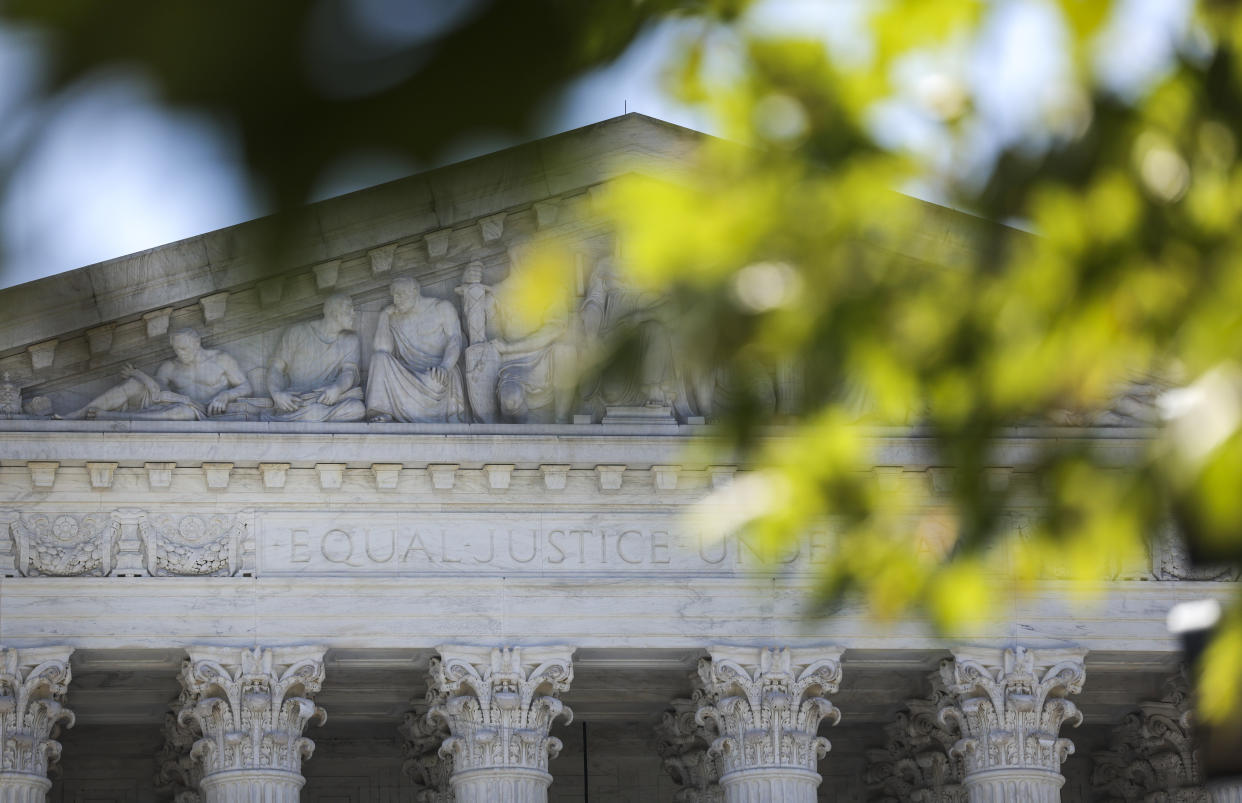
pixel 1130 279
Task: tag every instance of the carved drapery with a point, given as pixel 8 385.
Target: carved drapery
pixel 916 763
pixel 33 685
pixel 1010 705
pixel 251 707
pixel 1153 757
pixel 424 764
pixel 767 705
pixel 683 745
pixel 499 705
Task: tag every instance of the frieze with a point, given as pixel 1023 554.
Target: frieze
pixel 125 542
pixel 131 542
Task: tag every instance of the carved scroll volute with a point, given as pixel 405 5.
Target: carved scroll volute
pixel 755 693
pixel 1011 704
pixel 33 685
pixel 252 705
pixel 499 704
pixel 65 544
pixel 424 764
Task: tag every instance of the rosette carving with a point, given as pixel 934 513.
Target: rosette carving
pixel 1010 705
pixel 33 685
pixel 499 704
pixel 767 705
pixel 64 544
pixel 251 706
pixel 191 545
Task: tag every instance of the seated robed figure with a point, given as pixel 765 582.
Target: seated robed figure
pixel 414 375
pixel 196 384
pixel 314 374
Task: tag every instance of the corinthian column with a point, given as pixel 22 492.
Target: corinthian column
pixel 33 684
pixel 684 745
pixel 915 763
pixel 767 706
pixel 499 705
pixel 251 707
pixel 1010 705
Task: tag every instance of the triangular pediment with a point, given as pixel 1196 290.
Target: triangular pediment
pixel 67 337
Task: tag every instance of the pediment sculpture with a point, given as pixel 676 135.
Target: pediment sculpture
pixel 314 374
pixel 196 384
pixel 414 375
pixel 427 362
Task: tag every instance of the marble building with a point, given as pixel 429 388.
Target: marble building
pixel 340 534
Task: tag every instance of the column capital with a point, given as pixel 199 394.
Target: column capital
pixel 916 762
pixel 424 765
pixel 1010 705
pixel 1153 755
pixel 251 706
pixel 33 686
pixel 768 705
pixel 683 744
pixel 499 704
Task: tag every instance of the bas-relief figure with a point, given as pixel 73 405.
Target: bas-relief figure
pixel 518 367
pixel 610 309
pixel 414 375
pixel 523 371
pixel 314 374
pixel 196 384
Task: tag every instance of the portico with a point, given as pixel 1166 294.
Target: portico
pixel 286 600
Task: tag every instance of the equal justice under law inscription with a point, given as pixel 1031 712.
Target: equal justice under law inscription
pixel 509 543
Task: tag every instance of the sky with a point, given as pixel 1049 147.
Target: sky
pixel 116 173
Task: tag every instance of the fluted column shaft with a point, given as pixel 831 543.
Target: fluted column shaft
pixel 33 685
pixel 1229 792
pixel 769 784
pixel 1010 705
pixel 499 705
pixel 501 785
pixel 252 786
pixel 18 787
pixel 1011 785
pixel 250 708
pixel 766 706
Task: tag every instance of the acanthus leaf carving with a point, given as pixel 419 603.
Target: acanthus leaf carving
pixel 33 686
pixel 1153 756
pixel 251 706
pixel 424 764
pixel 499 704
pixel 683 744
pixel 916 763
pixel 1010 705
pixel 768 705
pixel 178 774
